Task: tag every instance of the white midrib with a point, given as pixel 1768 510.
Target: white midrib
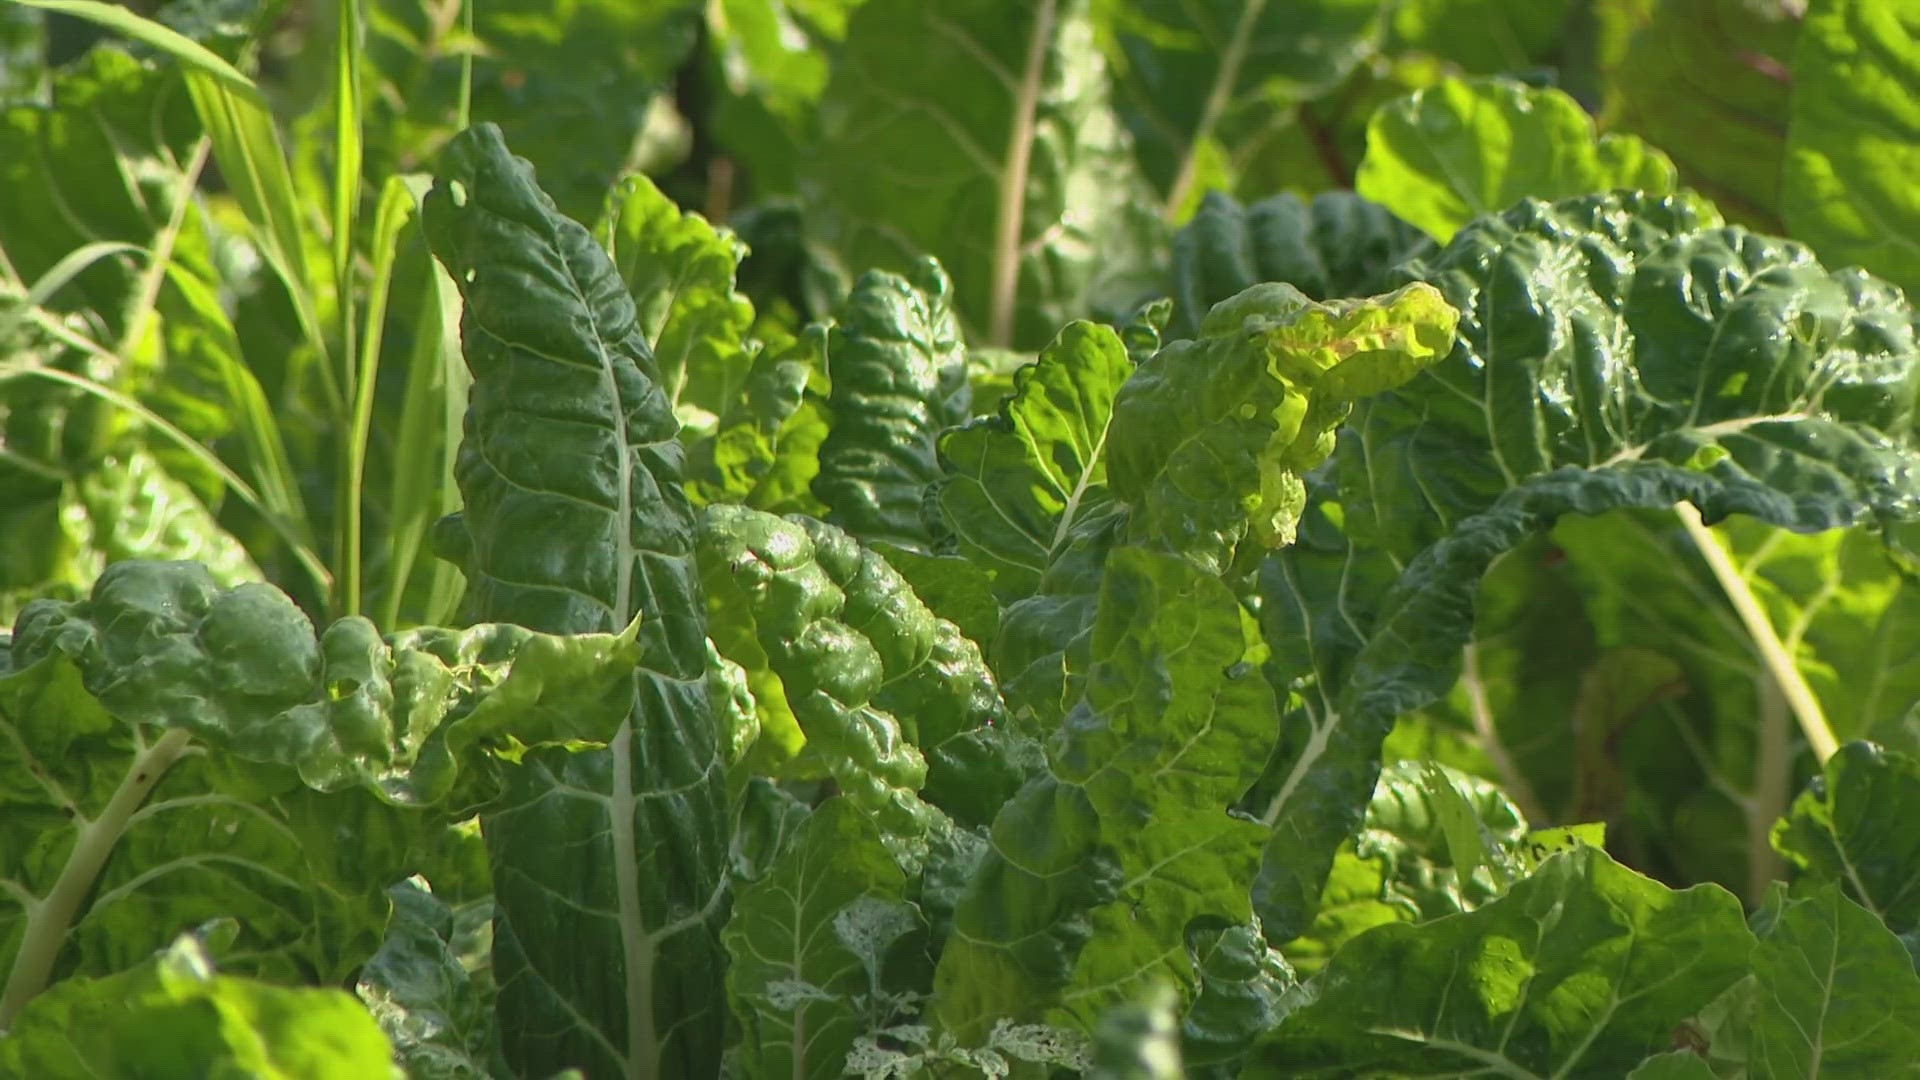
pixel 1072 508
pixel 1010 216
pixel 643 1052
pixel 1232 59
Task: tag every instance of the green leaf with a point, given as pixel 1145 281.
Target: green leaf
pixel 810 944
pixel 162 711
pixel 1661 659
pixel 1339 245
pixel 1402 866
pixel 1245 988
pixel 956 589
pixel 1020 480
pixel 1444 155
pixel 1846 828
pixel 1709 82
pixel 433 1001
pixel 1800 376
pixel 1098 867
pixel 1199 83
pixel 136 510
pixel 1602 388
pixel 994 152
pixel 174 1018
pixel 160 644
pixel 680 271
pixel 1852 125
pixel 1837 994
pixel 852 675
pixel 1042 651
pixel 894 360
pixel 606 942
pixel 1585 968
pixel 765 449
pixel 1221 429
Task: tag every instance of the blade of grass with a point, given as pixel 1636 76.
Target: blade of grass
pixel 121 20
pixel 266 448
pixel 428 439
pixel 140 307
pixel 252 161
pixel 397 207
pixel 358 371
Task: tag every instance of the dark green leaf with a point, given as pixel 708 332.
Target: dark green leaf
pixel 1585 968
pixel 1850 827
pixel 894 359
pixel 610 898
pixel 1339 245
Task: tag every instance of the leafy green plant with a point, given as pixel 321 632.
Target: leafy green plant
pixel 1067 588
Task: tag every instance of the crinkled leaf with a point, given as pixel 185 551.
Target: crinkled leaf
pixel 173 739
pixel 135 509
pixel 161 644
pixel 1338 245
pixel 1585 968
pixel 882 695
pixel 765 448
pixel 895 360
pixel 1612 330
pixel 1245 987
pixel 1401 865
pixel 610 893
pixel 958 590
pixel 1591 373
pixel 1041 653
pixel 1446 154
pixel 1221 429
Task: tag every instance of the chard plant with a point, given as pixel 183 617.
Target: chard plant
pixel 1162 540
